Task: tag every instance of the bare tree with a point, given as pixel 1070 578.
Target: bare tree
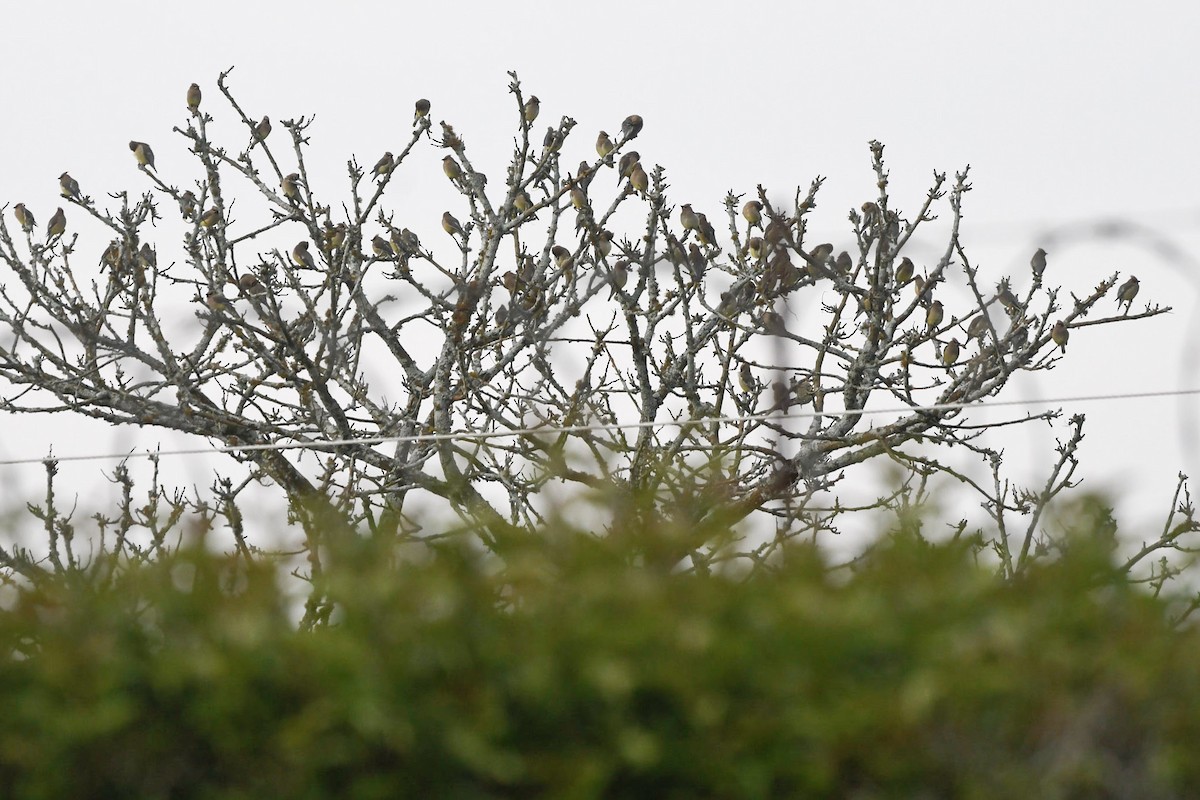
pixel 533 315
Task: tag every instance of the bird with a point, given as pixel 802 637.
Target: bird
pixel 603 241
pixel 904 272
pixel 696 262
pixel 1007 298
pixel 451 168
pixel 579 199
pixel 688 218
pixel 752 211
pixel 1038 263
pixel 746 378
pixel 111 257
pixel 187 204
pixel 639 180
pixel 631 127
pixel 420 110
pixel 381 247
pixel 531 109
pixel 1060 334
pixel 68 185
pixel 451 225
pixel 291 187
pixel 843 263
pixel 1127 292
pixel 755 247
pixel 147 258
pixel 263 129
pixel 618 276
pixel 820 254
pixel 562 257
pixel 950 352
pixel 193 98
pixel 57 225
pixel 933 317
pixel 978 328
pixel 217 302
pixel 249 283
pixel 705 232
pixel 143 154
pixel 384 165
pixel 210 217
pixel 24 217
pixel 626 164
pixel 772 322
pixel 301 257
pixel 604 147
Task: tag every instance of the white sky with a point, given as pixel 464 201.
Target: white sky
pixel 1069 113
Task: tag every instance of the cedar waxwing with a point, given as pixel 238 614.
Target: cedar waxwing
pixel 210 217
pixel 804 391
pixel 631 127
pixel 217 302
pixel 626 164
pixel 451 225
pixel 551 141
pixel 335 236
pixel 24 217
pixel 509 281
pixel 1059 334
pixel 752 211
pixel 69 186
pixel 1127 292
pixel 604 147
pixel 562 257
pixel 688 218
pixel 978 328
pixel 639 180
pixel 384 165
pixel 603 242
pixel 950 353
pixel 618 276
pixel 522 202
pixel 57 225
pixel 451 168
pixel 381 247
pixel 746 378
pixel 843 264
pixel 579 199
pixel 301 257
pixel 143 154
pixel 532 107
pixel 193 98
pixel 407 241
pixel 1007 298
pixel 187 204
pixel 147 258
pixel 112 256
pixel 1038 263
pixel 821 253
pixel 773 324
pixel 421 110
pixel 933 317
pixel 696 262
pixel 904 272
pixel 781 396
pixel 584 175
pixel 263 129
pixel 755 247
pixel 291 187
pixel 249 284
pixel 705 231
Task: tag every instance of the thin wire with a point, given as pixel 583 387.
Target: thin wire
pixel 541 431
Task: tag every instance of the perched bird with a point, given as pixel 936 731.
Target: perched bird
pixel 408 242
pixel 57 225
pixel 421 110
pixel 562 257
pixel 301 257
pixel 618 276
pixel 1059 334
pixel 705 232
pixel 1038 263
pixel 451 225
pixel 522 202
pixel 451 168
pixel 843 263
pixel 904 271
pixel 143 154
pixel 804 391
pixel 696 262
pixel 746 378
pixel 579 199
pixel 263 129
pixel 1127 292
pixel 626 164
pixel 552 141
pixel 603 242
pixel 291 187
pixel 532 108
pixel 950 352
pixel 752 211
pixel 1007 298
pixel 335 236
pixel 193 98
pixel 755 247
pixel 249 283
pixel 69 186
pixel 187 204
pixel 217 302
pixel 210 217
pixel 111 257
pixel 773 324
pixel 24 217
pixel 604 147
pixel 688 218
pixel 147 258
pixel 381 247
pixel 821 253
pixel 781 395
pixel 978 328
pixel 384 165
pixel 631 127
pixel 639 180
pixel 933 317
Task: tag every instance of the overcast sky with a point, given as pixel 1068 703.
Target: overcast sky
pixel 1071 115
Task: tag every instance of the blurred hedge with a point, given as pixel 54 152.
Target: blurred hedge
pixel 570 671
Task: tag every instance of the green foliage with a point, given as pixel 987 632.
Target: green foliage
pixel 573 669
